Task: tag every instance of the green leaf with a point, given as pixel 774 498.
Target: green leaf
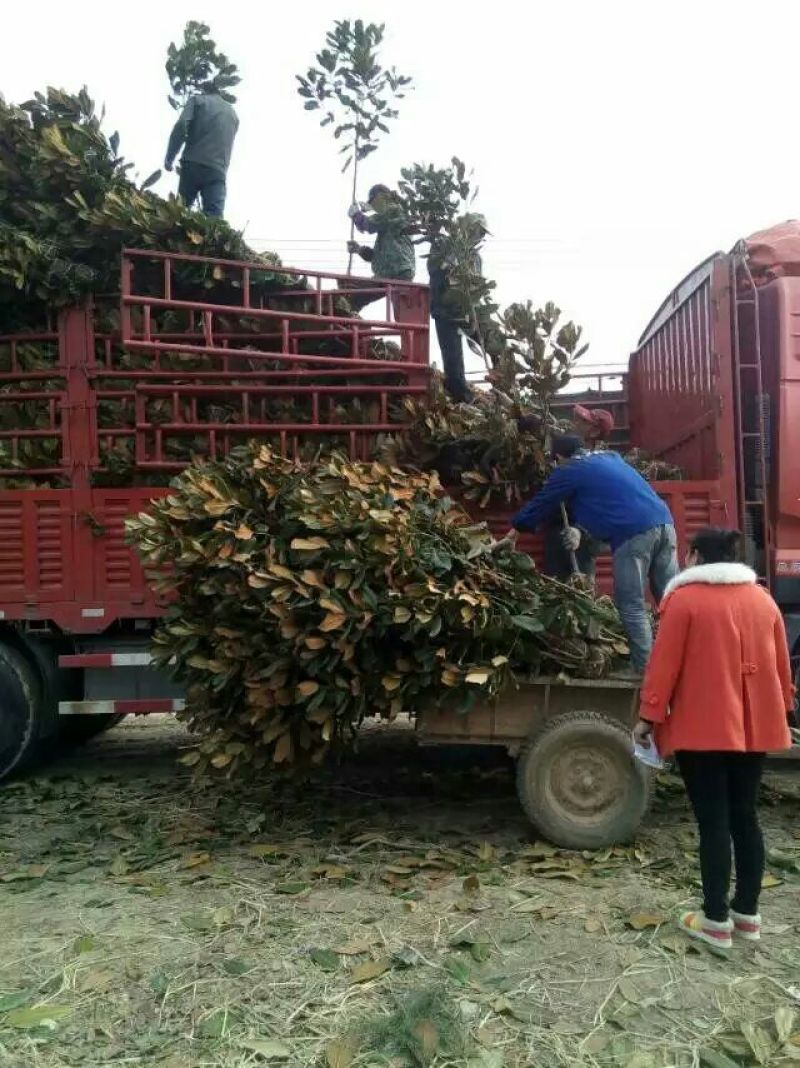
pixel 528 623
pixel 290 888
pixel 325 959
pixel 37 1016
pixel 234 966
pixel 13 1001
pixel 217 1025
pixel 268 1048
pixel 458 969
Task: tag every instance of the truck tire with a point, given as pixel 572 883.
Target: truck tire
pixel 75 730
pixel 21 712
pixel 579 783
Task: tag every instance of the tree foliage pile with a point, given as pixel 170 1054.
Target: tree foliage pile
pixel 68 206
pixel 309 596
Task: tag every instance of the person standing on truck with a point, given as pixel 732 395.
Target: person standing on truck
pixel 448 318
pixel 392 255
pixel 614 505
pixel 718 694
pixel 206 129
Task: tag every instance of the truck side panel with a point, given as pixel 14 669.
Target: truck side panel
pixel 681 388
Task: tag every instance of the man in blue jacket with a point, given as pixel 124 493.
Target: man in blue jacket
pixel 612 503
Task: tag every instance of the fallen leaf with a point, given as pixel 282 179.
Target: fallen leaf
pixel 14 1001
pixel 96 979
pixel 83 944
pixel 592 925
pixel 290 887
pixel 713 1058
pixel 263 849
pixel 194 860
pixel 370 969
pixel 471 884
pixel 122 833
pixel 326 959
pixel 216 1025
pixel 119 867
pixel 221 917
pixel 426 1033
pixel 352 949
pixel 770 881
pixel 331 871
pixel 640 921
pixel 234 966
pixel 759 1041
pixel 784 1022
pixel 309 544
pixel 341 1052
pixel 197 921
pixel 36 1016
pixel 458 969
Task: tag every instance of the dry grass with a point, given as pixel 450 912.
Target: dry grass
pixel 179 929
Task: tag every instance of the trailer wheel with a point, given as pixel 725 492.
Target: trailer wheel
pixel 75 730
pixel 21 712
pixel 579 784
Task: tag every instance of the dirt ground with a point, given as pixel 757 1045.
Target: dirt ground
pixel 399 913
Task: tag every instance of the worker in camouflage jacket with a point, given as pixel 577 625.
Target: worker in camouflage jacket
pixel 392 255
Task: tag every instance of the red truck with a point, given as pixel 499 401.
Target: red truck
pixel 708 388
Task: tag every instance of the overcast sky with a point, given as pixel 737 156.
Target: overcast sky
pixel 615 144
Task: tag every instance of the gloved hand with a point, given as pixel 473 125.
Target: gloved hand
pixel 353 247
pixel 571 539
pixel 354 209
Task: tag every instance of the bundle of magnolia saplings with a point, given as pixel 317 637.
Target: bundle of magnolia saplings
pixel 479 446
pixel 309 596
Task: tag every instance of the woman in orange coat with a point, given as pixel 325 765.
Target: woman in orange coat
pixel 718 694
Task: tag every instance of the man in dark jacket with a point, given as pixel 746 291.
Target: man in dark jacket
pixel 611 501
pixel 448 318
pixel 206 129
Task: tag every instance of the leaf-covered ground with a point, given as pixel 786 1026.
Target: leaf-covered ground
pixel 400 913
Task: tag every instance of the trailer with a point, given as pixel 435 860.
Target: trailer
pixel 577 779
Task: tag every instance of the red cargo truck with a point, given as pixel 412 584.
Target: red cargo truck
pixel 709 388
pixel 180 378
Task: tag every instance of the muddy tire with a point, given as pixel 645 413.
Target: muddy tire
pixel 579 784
pixel 75 730
pixel 22 721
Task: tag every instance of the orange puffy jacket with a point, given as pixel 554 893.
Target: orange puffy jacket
pixel 719 675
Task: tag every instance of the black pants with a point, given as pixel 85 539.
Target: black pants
pixel 557 560
pixel 452 348
pixel 723 791
pixel 205 182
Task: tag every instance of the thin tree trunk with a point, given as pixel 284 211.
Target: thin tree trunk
pixel 352 201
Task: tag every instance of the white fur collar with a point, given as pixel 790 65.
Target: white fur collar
pixel 713 574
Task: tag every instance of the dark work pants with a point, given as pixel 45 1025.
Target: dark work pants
pixel 557 560
pixel 452 348
pixel 723 791
pixel 205 182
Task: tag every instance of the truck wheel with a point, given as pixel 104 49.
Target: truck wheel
pixel 75 730
pixel 579 783
pixel 21 718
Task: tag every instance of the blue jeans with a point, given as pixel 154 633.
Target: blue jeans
pixel 647 557
pixel 199 180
